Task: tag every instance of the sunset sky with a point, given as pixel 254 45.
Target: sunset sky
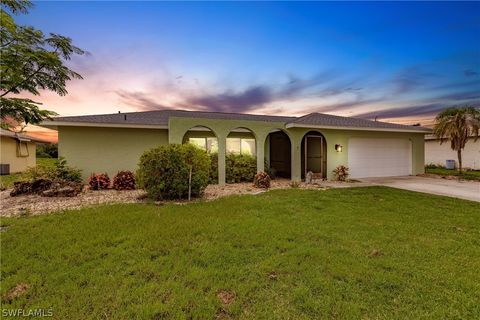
pixel 400 62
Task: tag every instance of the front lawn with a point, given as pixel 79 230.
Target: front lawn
pixel 466 175
pixel 359 253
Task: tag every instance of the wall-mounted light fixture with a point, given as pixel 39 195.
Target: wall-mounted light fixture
pixel 338 148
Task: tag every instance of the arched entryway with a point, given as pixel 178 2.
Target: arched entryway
pixel 240 156
pixel 241 141
pixel 202 137
pixel 278 154
pixel 314 154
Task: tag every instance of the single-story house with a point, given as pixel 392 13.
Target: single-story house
pixel 438 154
pixel 292 146
pixel 18 151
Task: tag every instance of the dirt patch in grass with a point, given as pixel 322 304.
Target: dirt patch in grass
pixel 226 297
pixel 15 292
pixel 375 253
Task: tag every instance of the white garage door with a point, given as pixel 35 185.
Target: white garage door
pixel 379 157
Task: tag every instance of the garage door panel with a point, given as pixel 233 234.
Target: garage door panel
pixel 379 157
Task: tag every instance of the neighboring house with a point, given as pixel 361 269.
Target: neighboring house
pixel 17 151
pixel 291 145
pixel 436 153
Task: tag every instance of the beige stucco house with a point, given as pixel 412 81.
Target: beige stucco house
pixel 17 151
pixel 291 145
pixel 436 153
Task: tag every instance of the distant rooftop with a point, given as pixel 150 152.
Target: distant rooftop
pixel 160 119
pixel 20 136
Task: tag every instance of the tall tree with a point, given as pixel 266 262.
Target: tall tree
pixel 30 61
pixel 457 125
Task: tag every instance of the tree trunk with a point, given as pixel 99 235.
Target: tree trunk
pixel 459 155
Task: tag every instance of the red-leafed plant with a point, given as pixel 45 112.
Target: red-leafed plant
pixel 262 180
pixel 341 173
pixel 124 180
pixel 99 181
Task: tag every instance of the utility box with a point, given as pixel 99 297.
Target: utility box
pixel 4 169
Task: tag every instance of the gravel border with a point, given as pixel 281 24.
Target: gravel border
pixel 37 205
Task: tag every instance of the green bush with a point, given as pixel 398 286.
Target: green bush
pixel 213 175
pixel 60 170
pixel 434 166
pixel 238 168
pixel 164 171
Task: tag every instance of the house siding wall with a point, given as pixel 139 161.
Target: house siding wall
pixel 8 148
pixel 112 149
pixel 342 137
pixel 108 150
pixel 437 153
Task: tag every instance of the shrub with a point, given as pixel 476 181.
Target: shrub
pixel 164 171
pixel 341 173
pixel 434 166
pixel 60 170
pixel 99 181
pixel 213 175
pixel 240 168
pixel 262 180
pixel 67 173
pixel 124 180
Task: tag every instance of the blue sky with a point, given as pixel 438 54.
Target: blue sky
pixel 399 62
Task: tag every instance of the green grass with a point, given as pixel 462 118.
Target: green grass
pixel 48 162
pixel 7 180
pixel 284 254
pixel 466 175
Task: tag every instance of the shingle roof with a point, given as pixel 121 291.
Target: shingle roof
pixel 327 120
pixel 19 136
pixel 160 118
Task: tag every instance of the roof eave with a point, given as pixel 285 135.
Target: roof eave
pixel 300 125
pixel 55 124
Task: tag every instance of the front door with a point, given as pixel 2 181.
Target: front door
pixel 314 155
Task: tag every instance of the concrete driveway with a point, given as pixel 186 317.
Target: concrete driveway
pixel 469 190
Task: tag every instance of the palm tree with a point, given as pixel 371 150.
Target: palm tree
pixel 457 125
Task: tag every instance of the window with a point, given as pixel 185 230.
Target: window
pixel 234 145
pixel 208 144
pixel 241 146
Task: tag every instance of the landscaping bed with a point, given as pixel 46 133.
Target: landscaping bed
pixel 452 174
pixel 36 204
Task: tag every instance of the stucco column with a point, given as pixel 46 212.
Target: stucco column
pixel 222 147
pixel 296 159
pixel 260 146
